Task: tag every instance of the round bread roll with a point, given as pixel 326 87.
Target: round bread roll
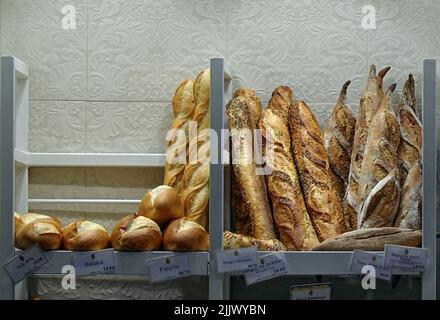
pixel 161 204
pixel 42 230
pixel 136 233
pixel 185 235
pixel 85 235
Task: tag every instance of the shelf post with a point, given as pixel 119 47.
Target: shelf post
pixel 429 103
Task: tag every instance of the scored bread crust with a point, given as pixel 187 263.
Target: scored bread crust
pixel 235 241
pixel 368 107
pixel 289 210
pixel 83 235
pixel 42 230
pixel 338 140
pixel 249 197
pixel 195 195
pixel 185 235
pixel 183 107
pixel 321 198
pixel 379 187
pixel 136 233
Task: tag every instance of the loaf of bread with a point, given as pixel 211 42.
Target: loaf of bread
pixel 373 239
pixel 410 147
pixel 37 229
pixel 249 198
pixel 321 198
pixel 409 215
pixel 252 101
pixel 195 195
pixel 338 141
pixel 183 107
pixel 161 204
pixel 368 107
pixel 379 187
pixel 289 210
pixel 136 233
pixel 185 235
pixel 236 241
pixel 83 235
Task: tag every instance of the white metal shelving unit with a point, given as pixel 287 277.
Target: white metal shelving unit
pixel 15 162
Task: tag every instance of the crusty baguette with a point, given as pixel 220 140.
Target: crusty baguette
pixel 368 107
pixel 195 194
pixel 321 198
pixel 236 241
pixel 373 239
pixel 183 107
pixel 289 210
pixel 252 101
pixel 410 147
pixel 409 215
pixel 379 187
pixel 249 197
pixel 338 140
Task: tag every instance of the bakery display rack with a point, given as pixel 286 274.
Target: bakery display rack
pixel 16 161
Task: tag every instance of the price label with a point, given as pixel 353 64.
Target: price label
pixel 314 291
pixel 362 258
pixel 94 262
pixel 269 266
pixel 233 260
pixel 168 268
pixel 407 258
pixel 25 264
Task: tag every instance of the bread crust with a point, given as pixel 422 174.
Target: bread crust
pixel 235 241
pixel 83 235
pixel 185 235
pixel 36 229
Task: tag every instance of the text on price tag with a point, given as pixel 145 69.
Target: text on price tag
pixel 407 258
pixel 268 267
pixel 314 291
pixel 168 268
pixel 94 262
pixel 25 263
pixel 233 260
pixel 362 258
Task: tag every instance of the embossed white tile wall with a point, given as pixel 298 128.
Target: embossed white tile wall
pixel 57 126
pixel 139 50
pixel 313 46
pixel 33 32
pixel 137 127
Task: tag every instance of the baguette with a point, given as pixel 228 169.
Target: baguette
pixel 410 147
pixel 338 141
pixel 249 198
pixel 236 241
pixel 289 210
pixel 409 215
pixel 373 239
pixel 379 187
pixel 368 107
pixel 195 195
pixel 321 198
pixel 183 107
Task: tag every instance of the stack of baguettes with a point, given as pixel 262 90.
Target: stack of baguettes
pixel 359 172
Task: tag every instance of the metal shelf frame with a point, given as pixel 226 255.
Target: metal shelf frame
pixel 15 160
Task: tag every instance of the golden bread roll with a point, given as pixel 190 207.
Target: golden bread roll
pixel 183 107
pixel 83 235
pixel 161 204
pixel 185 235
pixel 136 233
pixel 37 229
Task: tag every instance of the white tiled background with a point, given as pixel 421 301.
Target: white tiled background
pixel 107 86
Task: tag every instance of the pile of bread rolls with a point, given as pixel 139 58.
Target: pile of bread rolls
pixel 358 176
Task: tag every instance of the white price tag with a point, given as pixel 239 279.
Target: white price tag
pixel 314 291
pixel 94 262
pixel 269 266
pixel 407 258
pixel 236 259
pixel 362 258
pixel 25 263
pixel 168 268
